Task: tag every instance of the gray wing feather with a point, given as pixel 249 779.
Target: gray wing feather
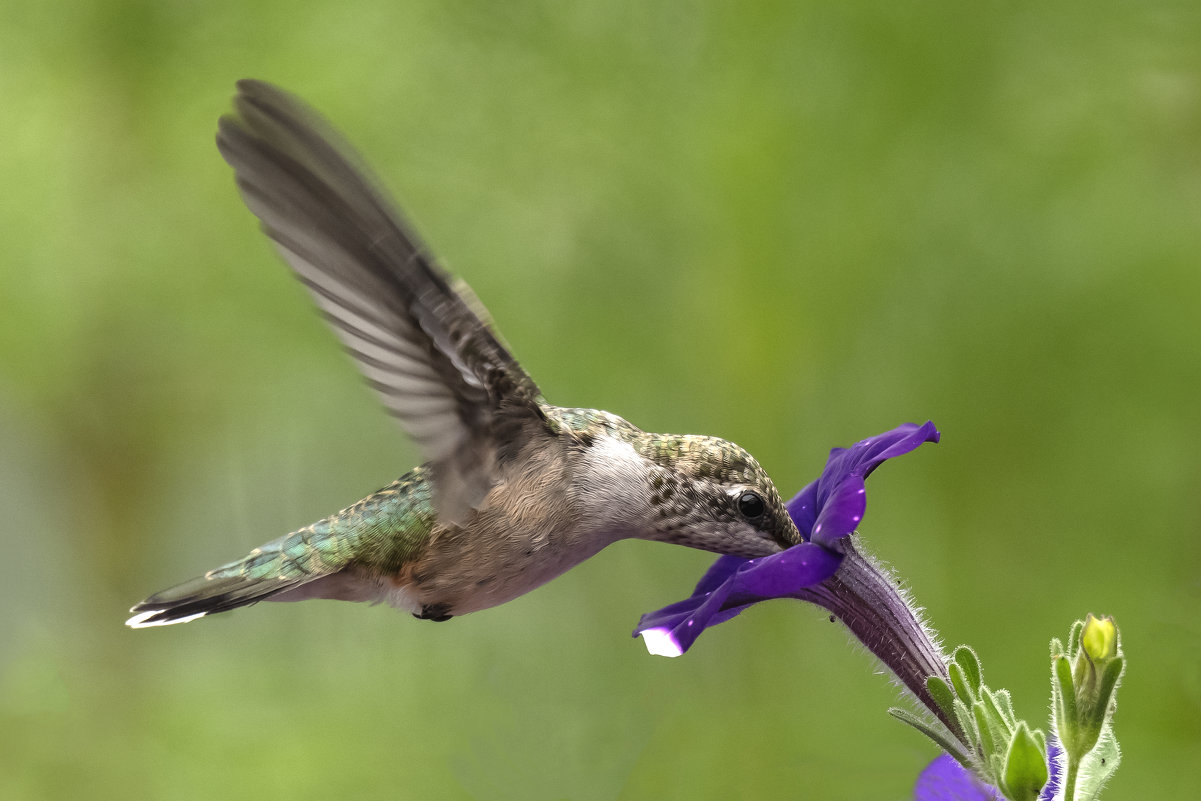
pixel 437 366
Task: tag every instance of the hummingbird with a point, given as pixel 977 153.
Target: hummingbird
pixel 514 491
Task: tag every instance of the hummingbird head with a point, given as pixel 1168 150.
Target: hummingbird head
pixel 711 494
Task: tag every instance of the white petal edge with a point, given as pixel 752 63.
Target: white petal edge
pixel 659 642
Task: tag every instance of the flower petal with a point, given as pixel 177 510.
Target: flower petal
pixel 715 576
pixel 866 455
pixel 1055 767
pixel 783 574
pixel 678 625
pixel 661 642
pixel 674 628
pixel 838 499
pixel 803 509
pixel 944 779
pixel 842 511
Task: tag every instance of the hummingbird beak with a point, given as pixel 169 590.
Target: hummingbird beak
pixel 789 534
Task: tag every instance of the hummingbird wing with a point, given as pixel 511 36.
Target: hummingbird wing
pixel 422 344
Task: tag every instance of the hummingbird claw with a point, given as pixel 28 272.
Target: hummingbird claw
pixel 435 612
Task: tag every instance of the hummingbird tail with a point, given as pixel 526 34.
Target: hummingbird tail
pixel 204 595
pixel 279 570
pixel 344 557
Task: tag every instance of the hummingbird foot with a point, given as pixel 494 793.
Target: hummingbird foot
pixel 436 612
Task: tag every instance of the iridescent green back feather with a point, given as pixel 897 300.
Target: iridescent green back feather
pixel 380 533
pixel 383 531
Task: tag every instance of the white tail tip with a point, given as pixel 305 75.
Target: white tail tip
pixel 139 621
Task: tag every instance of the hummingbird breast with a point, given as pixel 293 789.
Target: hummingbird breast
pixel 534 525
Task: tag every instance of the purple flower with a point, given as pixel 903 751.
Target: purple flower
pixel 825 512
pixel 944 779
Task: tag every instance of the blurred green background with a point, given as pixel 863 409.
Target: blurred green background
pixel 794 226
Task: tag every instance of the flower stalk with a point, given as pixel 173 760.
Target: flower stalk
pixel 870 603
pixel 1084 681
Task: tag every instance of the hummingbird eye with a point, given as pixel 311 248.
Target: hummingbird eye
pixel 751 506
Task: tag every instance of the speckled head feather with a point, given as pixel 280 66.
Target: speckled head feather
pixel 705 458
pixel 700 481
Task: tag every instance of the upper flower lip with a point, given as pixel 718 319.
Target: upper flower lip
pixel 831 507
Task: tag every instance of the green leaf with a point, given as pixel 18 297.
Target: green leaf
pixel 1002 727
pixel 1041 739
pixel 996 768
pixel 963 716
pixel 1064 698
pixel 966 658
pixel 935 733
pixel 959 680
pixel 1074 637
pixel 942 694
pixel 1109 683
pixel 1057 647
pixel 1025 767
pixel 988 742
pixel 1098 766
pixel 1098 712
pixel 1006 703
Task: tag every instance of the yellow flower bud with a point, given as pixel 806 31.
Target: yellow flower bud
pixel 1099 638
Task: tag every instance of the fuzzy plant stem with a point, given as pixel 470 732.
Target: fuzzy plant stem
pixel 869 602
pixel 1069 782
